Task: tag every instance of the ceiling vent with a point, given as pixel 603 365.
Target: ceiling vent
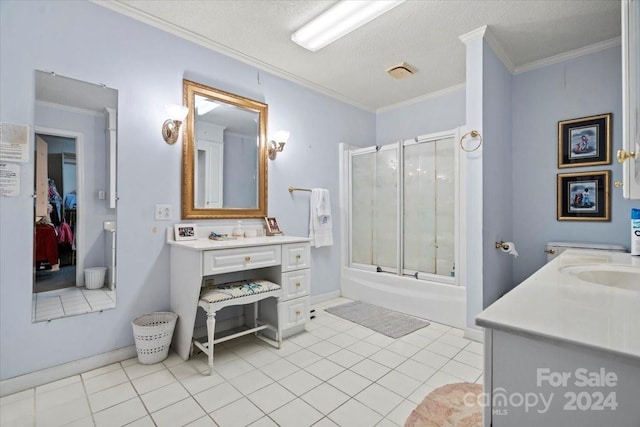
pixel 401 71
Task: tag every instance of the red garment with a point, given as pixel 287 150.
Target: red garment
pixel 65 235
pixel 46 244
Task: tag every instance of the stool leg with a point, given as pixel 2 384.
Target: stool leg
pixel 211 327
pixel 279 320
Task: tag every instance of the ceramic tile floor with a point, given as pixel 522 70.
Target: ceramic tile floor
pixel 335 373
pixel 70 301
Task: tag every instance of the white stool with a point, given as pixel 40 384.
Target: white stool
pixel 238 293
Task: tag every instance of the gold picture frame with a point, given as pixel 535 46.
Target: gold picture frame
pixel 585 141
pixel 584 196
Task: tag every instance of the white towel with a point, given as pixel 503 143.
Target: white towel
pixel 320 229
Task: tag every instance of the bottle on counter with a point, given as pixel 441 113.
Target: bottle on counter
pixel 238 233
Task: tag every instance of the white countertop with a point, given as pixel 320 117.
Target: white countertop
pixel 204 243
pixel 558 305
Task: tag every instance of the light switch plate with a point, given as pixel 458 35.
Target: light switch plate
pixel 163 213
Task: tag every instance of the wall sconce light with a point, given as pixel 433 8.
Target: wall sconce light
pixel 276 145
pixel 171 126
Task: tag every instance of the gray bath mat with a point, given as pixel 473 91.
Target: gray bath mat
pixel 387 322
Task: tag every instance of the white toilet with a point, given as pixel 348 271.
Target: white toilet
pixel 553 249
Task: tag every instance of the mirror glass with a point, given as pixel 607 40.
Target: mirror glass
pixel 75 197
pixel 224 158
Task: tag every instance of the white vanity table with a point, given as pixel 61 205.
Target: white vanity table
pixel 284 260
pixel 563 347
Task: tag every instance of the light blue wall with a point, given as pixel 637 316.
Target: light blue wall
pixel 87 42
pixel 434 114
pixel 497 197
pixel 580 87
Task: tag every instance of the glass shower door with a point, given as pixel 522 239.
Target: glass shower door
pixel 374 207
pixel 429 207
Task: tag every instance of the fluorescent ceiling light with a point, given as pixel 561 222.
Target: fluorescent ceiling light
pixel 340 20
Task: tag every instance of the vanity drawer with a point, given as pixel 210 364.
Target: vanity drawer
pixel 296 284
pixel 296 256
pixel 228 260
pixel 294 313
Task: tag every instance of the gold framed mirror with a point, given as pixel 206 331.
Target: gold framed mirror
pixel 224 159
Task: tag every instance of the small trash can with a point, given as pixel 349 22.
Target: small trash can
pixel 94 277
pixel 153 333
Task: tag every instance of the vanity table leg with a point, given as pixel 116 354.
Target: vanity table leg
pixel 211 327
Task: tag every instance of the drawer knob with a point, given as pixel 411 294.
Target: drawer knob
pixel 298 256
pixel 297 312
pixel 247 258
pixel 298 284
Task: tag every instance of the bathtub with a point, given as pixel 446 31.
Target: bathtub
pixel 438 302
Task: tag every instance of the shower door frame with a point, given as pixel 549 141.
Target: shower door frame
pixel 399 147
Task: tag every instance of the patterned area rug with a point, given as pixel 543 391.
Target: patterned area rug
pixel 452 405
pixel 387 322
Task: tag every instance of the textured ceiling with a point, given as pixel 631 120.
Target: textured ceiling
pixel 420 32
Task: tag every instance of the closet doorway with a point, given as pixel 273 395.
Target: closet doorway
pixel 56 212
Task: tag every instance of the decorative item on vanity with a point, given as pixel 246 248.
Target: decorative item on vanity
pixel 185 232
pixel 171 126
pixel 474 134
pixel 276 145
pixel 272 226
pixel 585 141
pixel 584 196
pixel 507 247
pixel 238 233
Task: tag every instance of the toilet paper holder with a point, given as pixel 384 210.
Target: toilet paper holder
pixel 502 245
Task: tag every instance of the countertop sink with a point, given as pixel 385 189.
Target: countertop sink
pixel 619 276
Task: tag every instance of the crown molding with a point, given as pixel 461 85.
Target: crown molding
pixel 562 57
pixel 131 12
pixel 421 98
pixel 498 50
pixel 478 33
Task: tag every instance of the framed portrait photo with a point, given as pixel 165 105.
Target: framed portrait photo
pixel 585 141
pixel 272 226
pixel 584 196
pixel 185 232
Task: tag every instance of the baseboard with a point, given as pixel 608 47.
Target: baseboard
pixel 474 334
pixel 55 373
pixel 317 299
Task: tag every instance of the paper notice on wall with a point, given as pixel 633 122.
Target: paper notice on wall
pixel 14 142
pixel 9 179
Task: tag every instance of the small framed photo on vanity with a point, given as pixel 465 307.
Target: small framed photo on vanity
pixel 272 226
pixel 185 232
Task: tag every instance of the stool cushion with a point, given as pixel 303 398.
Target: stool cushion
pixel 233 290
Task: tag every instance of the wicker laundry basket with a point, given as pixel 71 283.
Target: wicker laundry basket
pixel 153 333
